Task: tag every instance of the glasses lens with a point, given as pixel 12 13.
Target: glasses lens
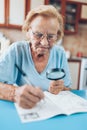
pixel 51 37
pixel 37 35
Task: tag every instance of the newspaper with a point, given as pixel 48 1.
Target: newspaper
pixel 65 103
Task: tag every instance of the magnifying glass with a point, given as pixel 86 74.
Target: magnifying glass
pixel 55 74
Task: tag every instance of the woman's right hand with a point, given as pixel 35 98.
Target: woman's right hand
pixel 28 96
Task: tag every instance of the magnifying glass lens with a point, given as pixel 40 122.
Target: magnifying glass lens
pixel 55 74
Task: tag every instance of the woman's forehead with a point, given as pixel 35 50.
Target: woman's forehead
pixel 44 22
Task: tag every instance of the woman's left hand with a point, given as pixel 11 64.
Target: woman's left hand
pixel 56 86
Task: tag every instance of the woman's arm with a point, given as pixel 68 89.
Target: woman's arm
pixel 7 92
pixel 26 96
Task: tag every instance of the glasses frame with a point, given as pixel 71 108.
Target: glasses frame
pixel 39 36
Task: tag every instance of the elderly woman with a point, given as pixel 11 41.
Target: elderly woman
pixel 37 55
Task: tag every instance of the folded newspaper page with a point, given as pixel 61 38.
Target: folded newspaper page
pixel 65 103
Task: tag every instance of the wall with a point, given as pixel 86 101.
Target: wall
pixel 13 34
pixel 77 42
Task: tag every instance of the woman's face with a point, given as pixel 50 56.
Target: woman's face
pixel 43 34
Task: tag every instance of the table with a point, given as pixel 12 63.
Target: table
pixel 9 119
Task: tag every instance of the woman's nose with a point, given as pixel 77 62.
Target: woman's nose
pixel 44 41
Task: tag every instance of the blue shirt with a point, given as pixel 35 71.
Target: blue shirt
pixel 19 53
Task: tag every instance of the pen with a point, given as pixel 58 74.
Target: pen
pixel 24 75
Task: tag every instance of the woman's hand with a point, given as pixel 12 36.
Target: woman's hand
pixel 56 86
pixel 28 96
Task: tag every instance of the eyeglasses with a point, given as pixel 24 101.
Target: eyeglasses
pixel 39 36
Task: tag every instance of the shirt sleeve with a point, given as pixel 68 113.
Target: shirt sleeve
pixel 65 66
pixel 7 66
